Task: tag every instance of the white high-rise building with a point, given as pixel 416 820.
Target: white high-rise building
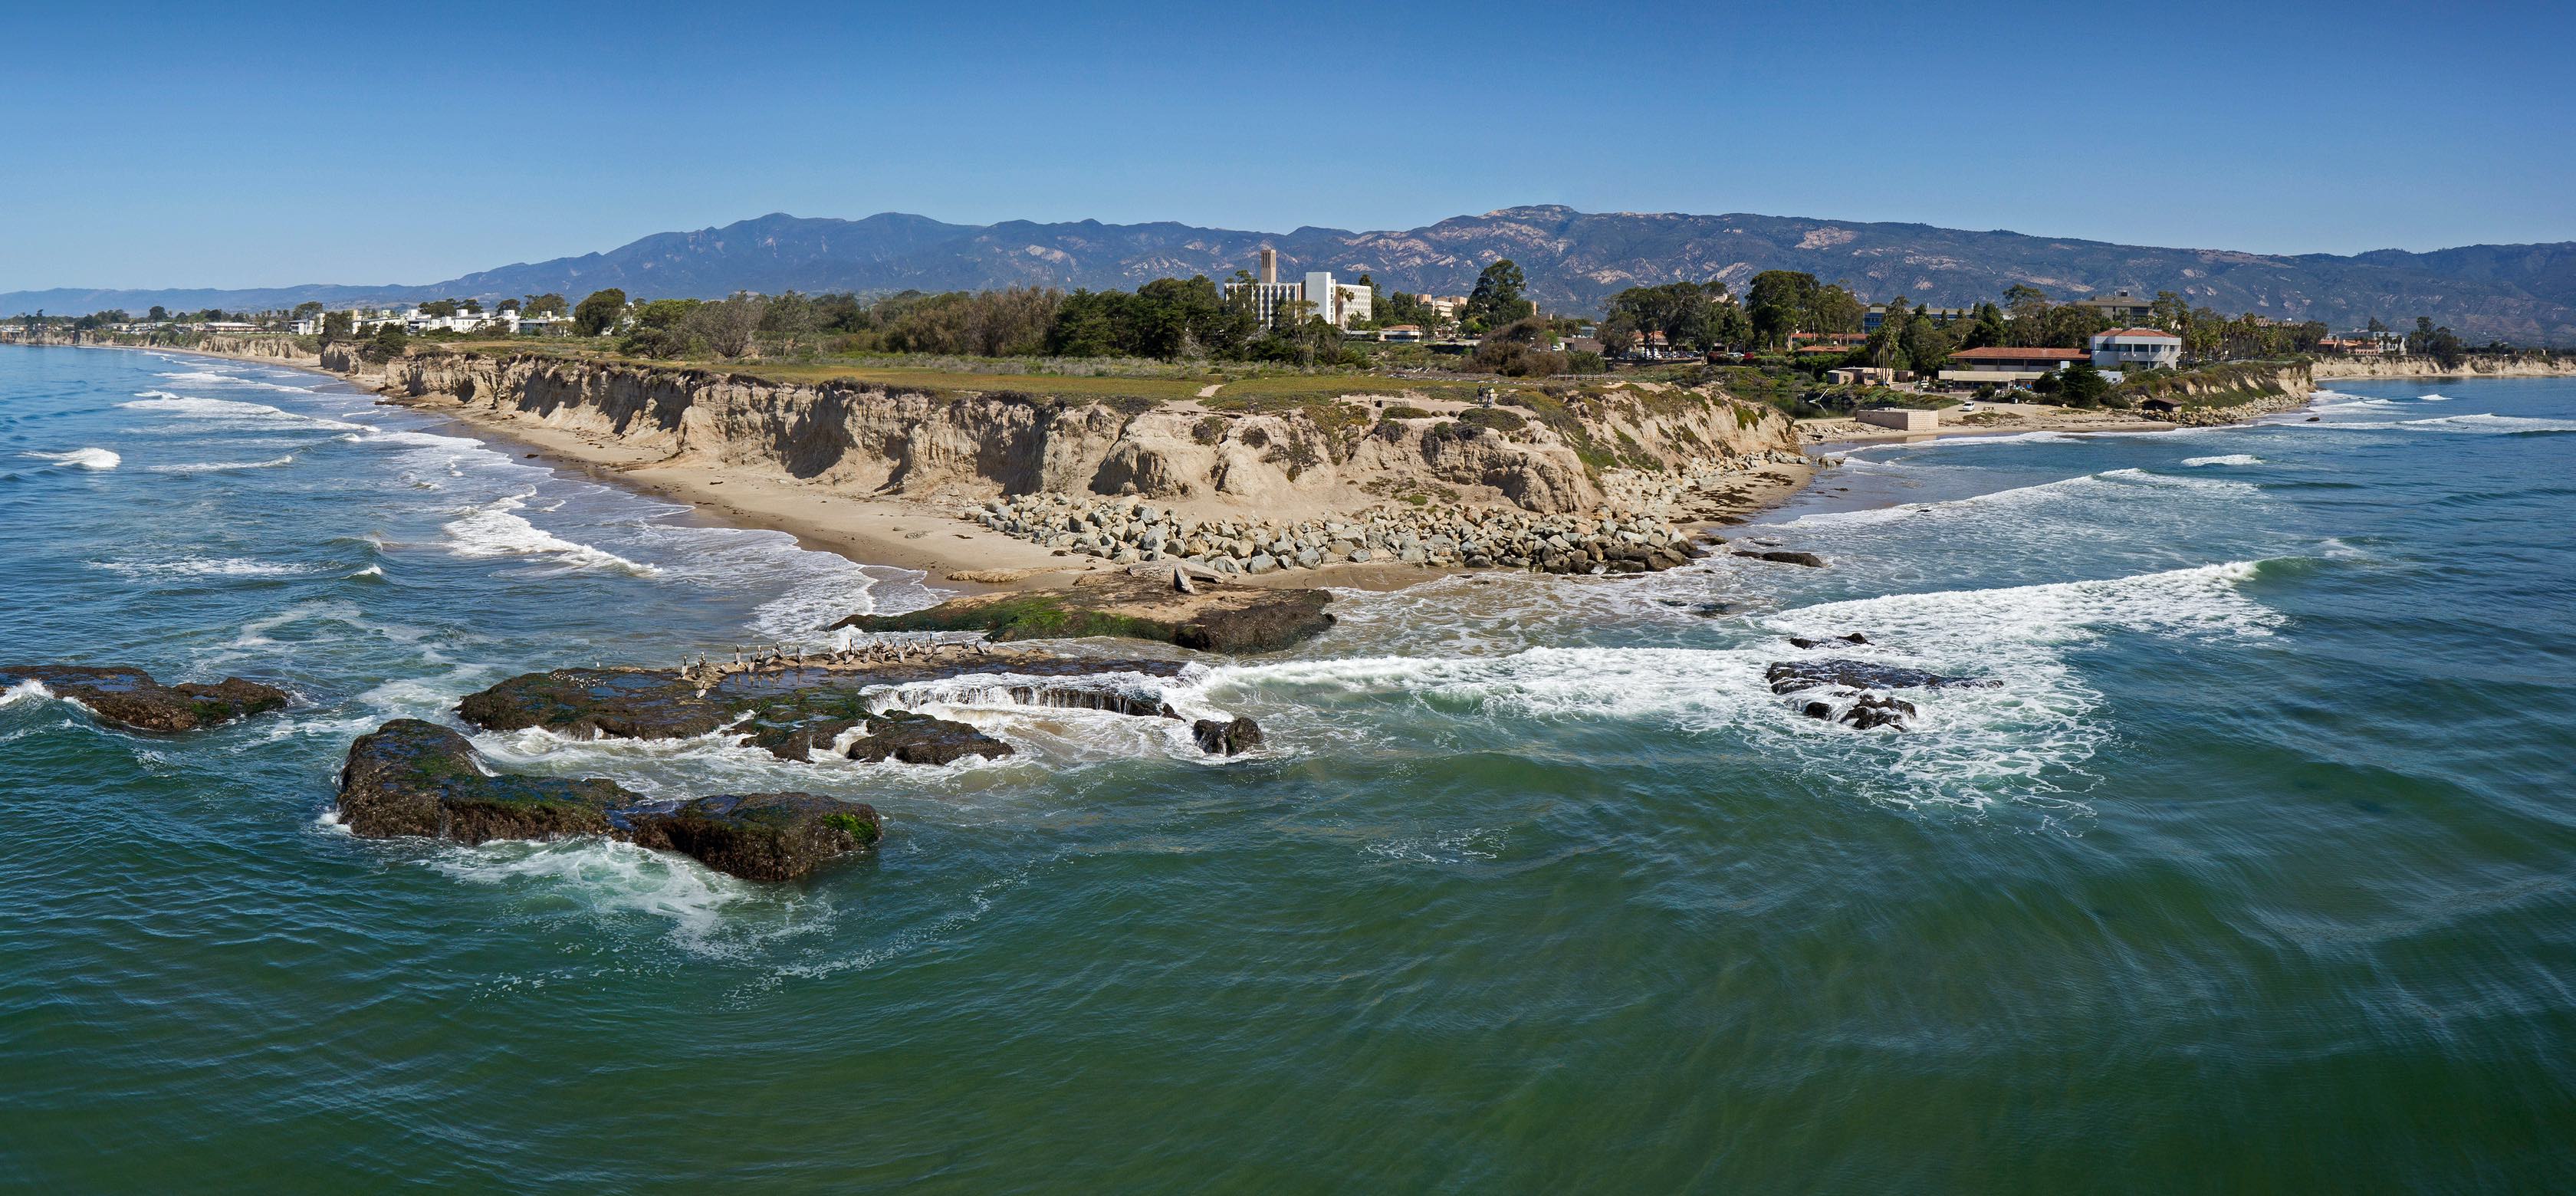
pixel 1340 302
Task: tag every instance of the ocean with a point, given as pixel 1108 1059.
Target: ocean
pixel 2252 870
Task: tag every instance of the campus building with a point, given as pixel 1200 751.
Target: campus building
pixel 1343 303
pixel 2137 349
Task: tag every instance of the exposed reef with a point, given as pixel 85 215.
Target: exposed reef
pixel 1207 617
pixel 410 777
pixel 130 697
pixel 794 712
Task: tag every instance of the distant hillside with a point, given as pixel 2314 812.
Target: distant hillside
pixel 1575 260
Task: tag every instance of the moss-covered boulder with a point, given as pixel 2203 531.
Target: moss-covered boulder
pixel 131 698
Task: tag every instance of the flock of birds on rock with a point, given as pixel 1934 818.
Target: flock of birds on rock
pixel 707 674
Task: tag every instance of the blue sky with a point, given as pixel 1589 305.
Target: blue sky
pixel 258 145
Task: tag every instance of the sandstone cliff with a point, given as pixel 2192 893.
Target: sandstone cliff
pixel 2497 366
pixel 864 438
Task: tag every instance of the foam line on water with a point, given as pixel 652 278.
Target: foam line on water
pixel 223 466
pixel 226 411
pixel 83 458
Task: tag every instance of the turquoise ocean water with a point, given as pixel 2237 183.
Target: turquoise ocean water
pixel 2253 873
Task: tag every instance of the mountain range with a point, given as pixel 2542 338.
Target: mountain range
pixel 1574 262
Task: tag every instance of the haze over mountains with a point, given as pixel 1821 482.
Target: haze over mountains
pixel 1574 260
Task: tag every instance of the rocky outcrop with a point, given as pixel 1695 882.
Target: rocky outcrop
pixel 131 698
pixel 1854 698
pixel 412 778
pixel 909 738
pixel 1231 619
pixel 794 713
pixel 760 836
pixel 1230 737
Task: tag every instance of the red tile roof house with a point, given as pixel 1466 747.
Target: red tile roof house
pixel 2000 364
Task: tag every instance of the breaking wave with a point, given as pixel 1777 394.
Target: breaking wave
pixel 2228 459
pixel 495 530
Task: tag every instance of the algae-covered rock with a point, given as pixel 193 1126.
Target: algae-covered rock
pixel 1235 619
pixel 921 739
pixel 131 698
pixel 760 836
pixel 410 777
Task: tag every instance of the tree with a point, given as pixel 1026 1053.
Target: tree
pixel 508 305
pixel 1497 299
pixel 1520 349
pixel 471 307
pixel 598 313
pixel 727 326
pixel 1780 302
pixel 158 312
pixel 1836 309
pixel 2081 385
pixel 307 310
pixel 440 308
pixel 335 327
pixel 388 343
pixel 548 304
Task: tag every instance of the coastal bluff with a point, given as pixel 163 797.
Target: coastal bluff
pixel 872 439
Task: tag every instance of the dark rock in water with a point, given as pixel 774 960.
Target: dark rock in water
pixel 1870 711
pixel 795 742
pixel 1853 638
pixel 1231 738
pixel 1073 697
pixel 920 739
pixel 760 836
pixel 410 777
pixel 1790 677
pixel 589 703
pixel 1866 712
pixel 1808 559
pixel 1216 619
pixel 131 698
pixel 659 704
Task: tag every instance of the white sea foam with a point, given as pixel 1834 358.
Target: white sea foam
pixel 205 567
pixel 615 878
pixel 83 458
pixel 208 377
pixel 2432 398
pixel 2022 739
pixel 2479 424
pixel 496 530
pixel 2228 459
pixel 223 466
pixel 227 411
pixel 25 692
pixel 2116 483
pixel 1449 847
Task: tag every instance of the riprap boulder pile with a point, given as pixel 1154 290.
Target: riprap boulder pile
pixel 1129 531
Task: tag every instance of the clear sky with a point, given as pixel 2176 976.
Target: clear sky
pixel 275 144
